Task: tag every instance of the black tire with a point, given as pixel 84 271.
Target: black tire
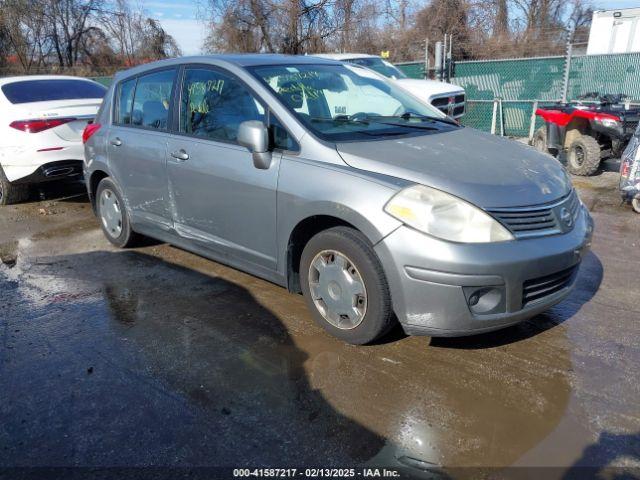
pixel 583 157
pixel 11 193
pixel 539 141
pixel 378 318
pixel 127 237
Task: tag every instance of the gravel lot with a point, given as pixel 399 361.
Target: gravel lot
pixel 154 356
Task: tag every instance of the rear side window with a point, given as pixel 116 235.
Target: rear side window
pixel 151 100
pixel 27 91
pixel 125 101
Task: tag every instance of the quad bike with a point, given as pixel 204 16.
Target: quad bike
pixel 588 131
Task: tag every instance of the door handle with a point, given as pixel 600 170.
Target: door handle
pixel 116 142
pixel 180 155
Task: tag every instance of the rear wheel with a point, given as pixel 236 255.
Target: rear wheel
pixel 345 287
pixel 113 215
pixel 11 193
pixel 540 140
pixel 583 157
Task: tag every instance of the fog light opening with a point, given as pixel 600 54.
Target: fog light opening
pixel 485 300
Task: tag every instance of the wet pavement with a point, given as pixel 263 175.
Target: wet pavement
pixel 154 356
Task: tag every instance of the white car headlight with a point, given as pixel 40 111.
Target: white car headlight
pixel 444 216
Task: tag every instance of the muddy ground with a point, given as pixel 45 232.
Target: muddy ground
pixel 154 356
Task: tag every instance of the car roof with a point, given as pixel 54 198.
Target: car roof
pixel 239 59
pixel 22 78
pixel 344 56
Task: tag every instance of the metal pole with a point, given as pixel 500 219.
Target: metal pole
pixel 501 119
pixel 450 57
pixel 493 116
pixel 426 58
pixel 444 58
pixel 567 68
pixel 438 60
pixel 532 124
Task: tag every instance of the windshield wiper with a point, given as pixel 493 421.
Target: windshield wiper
pixel 408 125
pixel 340 119
pixel 409 115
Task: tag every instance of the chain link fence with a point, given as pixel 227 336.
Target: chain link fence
pixel 503 93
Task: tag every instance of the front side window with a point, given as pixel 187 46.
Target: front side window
pixel 125 101
pixel 152 98
pixel 214 104
pixel 347 102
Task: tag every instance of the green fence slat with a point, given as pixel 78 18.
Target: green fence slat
pixel 521 81
pixel 106 81
pixel 412 69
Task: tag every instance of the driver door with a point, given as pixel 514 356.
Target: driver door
pixel 219 200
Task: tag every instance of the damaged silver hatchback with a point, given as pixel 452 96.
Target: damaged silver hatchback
pixel 330 181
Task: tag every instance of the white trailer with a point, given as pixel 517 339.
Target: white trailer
pixel 614 31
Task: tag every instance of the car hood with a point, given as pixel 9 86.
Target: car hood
pixel 429 87
pixel 483 169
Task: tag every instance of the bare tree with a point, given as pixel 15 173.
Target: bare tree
pixel 287 26
pixel 68 22
pixel 25 32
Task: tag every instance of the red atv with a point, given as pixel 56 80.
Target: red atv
pixel 586 132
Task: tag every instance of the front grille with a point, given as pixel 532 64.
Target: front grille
pixel 542 220
pixel 540 288
pixel 440 102
pixel 452 105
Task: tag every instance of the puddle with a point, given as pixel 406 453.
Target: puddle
pixel 153 355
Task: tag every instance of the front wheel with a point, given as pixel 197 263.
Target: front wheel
pixel 583 157
pixel 345 287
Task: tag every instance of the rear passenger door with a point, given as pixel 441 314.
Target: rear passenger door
pixel 219 199
pixel 137 145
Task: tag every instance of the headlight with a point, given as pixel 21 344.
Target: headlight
pixel 607 122
pixel 444 216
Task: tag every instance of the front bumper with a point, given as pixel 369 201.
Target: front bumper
pixel 431 281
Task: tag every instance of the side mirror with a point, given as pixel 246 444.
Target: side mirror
pixel 254 135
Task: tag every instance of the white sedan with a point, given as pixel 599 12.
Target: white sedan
pixel 41 123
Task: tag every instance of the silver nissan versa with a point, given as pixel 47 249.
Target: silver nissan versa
pixel 328 180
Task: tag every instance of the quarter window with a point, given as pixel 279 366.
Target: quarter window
pixel 280 136
pixel 215 104
pixel 151 100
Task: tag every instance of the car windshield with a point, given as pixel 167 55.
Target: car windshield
pixel 346 102
pixel 27 91
pixel 380 66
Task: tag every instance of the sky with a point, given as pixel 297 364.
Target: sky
pixel 179 19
